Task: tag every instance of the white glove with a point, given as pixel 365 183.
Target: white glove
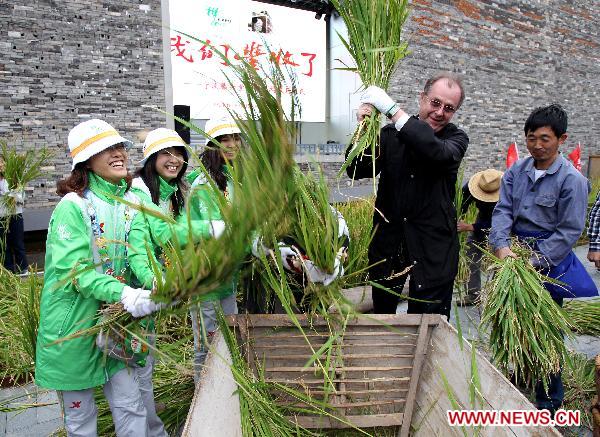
pixel 377 97
pixel 259 249
pixel 137 302
pixel 315 274
pixel 217 227
pixel 288 256
pixel 342 225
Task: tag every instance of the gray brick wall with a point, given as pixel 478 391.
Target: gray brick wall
pixel 64 61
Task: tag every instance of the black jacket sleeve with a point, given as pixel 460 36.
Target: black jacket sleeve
pixel 419 136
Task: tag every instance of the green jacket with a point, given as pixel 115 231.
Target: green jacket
pixel 147 230
pixel 69 302
pixel 204 206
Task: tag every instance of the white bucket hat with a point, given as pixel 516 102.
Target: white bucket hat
pixel 92 137
pixel 220 126
pixel 160 139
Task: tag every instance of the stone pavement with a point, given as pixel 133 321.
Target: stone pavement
pixel 31 422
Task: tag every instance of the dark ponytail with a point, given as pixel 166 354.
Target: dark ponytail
pixel 213 161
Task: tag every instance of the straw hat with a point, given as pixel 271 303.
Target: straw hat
pixel 485 185
pixel 160 139
pixel 92 137
pixel 216 127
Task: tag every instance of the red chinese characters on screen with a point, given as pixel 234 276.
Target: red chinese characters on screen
pixel 252 52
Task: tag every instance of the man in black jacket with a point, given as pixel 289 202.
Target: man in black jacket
pixel 415 220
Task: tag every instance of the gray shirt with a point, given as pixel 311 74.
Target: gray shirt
pixel 556 202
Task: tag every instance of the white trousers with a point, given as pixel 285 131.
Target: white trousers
pixel 130 395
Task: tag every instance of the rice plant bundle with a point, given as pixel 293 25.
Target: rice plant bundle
pixel 526 325
pixel 375 44
pixel 19 319
pixel 585 315
pixel 359 218
pixel 578 379
pixel 21 168
pixel 461 281
pixel 314 223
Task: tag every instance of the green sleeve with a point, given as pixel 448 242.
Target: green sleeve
pixel 140 245
pixel 203 205
pixel 147 230
pixel 70 250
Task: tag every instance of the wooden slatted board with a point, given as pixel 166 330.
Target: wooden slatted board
pixel 375 370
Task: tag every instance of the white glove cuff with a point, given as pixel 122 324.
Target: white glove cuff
pixel 402 121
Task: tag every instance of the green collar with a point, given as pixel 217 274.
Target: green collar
pixel 100 187
pixel 166 190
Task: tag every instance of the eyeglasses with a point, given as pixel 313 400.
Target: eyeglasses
pixel 436 104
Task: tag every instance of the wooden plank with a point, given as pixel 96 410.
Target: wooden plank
pixel 215 407
pixel 321 382
pixel 432 400
pixel 302 357
pixel 352 404
pixel 362 421
pixel 345 345
pixel 283 320
pixel 420 351
pixel 350 335
pixel 347 369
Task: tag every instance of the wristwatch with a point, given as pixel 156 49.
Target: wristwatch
pixel 392 111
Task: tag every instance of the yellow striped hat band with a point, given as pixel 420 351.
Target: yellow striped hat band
pixel 92 140
pixel 148 150
pixel 221 126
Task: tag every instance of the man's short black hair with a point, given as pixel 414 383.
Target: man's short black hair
pixel 553 116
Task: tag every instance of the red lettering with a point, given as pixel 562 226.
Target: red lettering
pixel 311 57
pixel 180 48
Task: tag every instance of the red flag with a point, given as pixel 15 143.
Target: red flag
pixel 512 155
pixel 575 157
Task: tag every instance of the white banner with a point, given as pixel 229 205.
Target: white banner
pixel 255 31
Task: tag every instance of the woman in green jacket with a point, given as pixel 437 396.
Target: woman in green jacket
pixel 160 185
pixel 204 206
pixel 86 267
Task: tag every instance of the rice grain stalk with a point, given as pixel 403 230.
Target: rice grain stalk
pixel 585 315
pixel 580 388
pixel 359 218
pixel 375 44
pixel 314 224
pixel 21 169
pixel 19 318
pixel 526 325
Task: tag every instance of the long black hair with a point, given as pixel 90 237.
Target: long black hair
pixel 150 177
pixel 213 161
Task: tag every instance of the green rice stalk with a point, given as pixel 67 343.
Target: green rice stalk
pixel 526 326
pixel 375 44
pixel 461 281
pixel 359 218
pixel 21 169
pixel 19 319
pixel 580 388
pixel 314 226
pixel 585 315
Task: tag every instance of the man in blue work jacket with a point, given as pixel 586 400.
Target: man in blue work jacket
pixel 543 197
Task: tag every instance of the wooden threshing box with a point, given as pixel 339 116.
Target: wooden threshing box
pixel 387 374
